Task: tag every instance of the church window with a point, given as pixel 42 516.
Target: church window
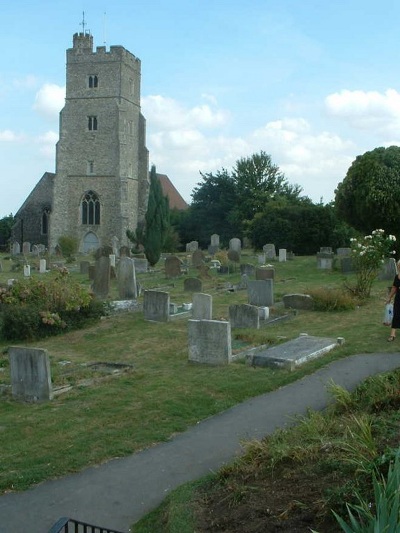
pixel 93 82
pixel 92 123
pixel 91 209
pixel 45 223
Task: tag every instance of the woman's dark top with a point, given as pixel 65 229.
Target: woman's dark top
pixel 396 304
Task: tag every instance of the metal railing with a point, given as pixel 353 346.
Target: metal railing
pixel 69 525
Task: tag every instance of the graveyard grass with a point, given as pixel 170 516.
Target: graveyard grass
pixel 106 415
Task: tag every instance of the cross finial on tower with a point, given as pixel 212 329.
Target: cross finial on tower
pixel 83 23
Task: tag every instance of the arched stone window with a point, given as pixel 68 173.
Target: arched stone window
pixel 93 82
pixel 91 209
pixel 45 223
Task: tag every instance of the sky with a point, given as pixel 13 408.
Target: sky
pixel 312 83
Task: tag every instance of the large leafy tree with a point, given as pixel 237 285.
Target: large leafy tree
pixel 6 224
pixel 368 197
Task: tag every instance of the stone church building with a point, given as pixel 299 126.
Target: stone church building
pixel 101 183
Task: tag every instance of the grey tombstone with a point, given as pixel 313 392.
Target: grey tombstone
pixel 101 281
pixel 42 266
pixel 388 270
pixel 244 316
pixel 26 248
pixel 173 266
pixel 115 246
pixel 41 248
pixel 282 255
pixel 126 277
pixel 298 301
pixel 326 250
pixel 192 285
pixel 248 269
pixel 234 256
pixel 269 251
pixel 261 292
pixel 325 260
pixel 198 258
pixel 214 239
pixel 84 267
pixel 210 342
pixel 156 306
pixel 113 261
pixel 27 271
pixel 16 248
pixel 261 259
pixel 30 374
pixel 202 306
pixel 35 249
pixel 242 285
pixel 235 244
pixel 346 265
pixel 343 252
pixel 192 246
pixel 212 250
pixel 141 265
pixel 265 273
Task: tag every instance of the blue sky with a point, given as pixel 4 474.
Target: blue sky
pixel 312 83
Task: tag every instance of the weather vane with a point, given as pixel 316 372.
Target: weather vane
pixel 83 23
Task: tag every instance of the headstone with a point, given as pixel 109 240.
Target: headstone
pixel 343 252
pixel 173 309
pixel 326 250
pixel 42 266
pixel 261 259
pixel 388 270
pixel 101 281
pixel 27 270
pixel 112 260
pixel 325 260
pixel 202 306
pixel 30 374
pixel 126 277
pixel 84 267
pixel 346 265
pixel 248 269
pixel 204 271
pixel 244 316
pixel 263 313
pixel 192 246
pixel 210 342
pixel 41 248
pixel 16 248
pixel 269 251
pixel 261 292
pixel 26 248
pixel 235 244
pixel 198 258
pixel 234 256
pixel 125 251
pixel 35 250
pixel 298 301
pixel 244 279
pixel 156 306
pixel 266 272
pixel 215 240
pixel 192 285
pixel 141 265
pixel 289 256
pixel 173 266
pixel 282 255
pixel 115 246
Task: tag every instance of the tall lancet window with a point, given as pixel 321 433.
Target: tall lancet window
pixel 91 209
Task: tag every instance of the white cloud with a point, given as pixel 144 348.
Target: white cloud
pixel 28 82
pixel 10 136
pixel 49 101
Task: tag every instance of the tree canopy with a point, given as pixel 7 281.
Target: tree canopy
pixel 368 197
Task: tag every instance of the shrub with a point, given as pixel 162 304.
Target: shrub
pixel 326 299
pixel 68 246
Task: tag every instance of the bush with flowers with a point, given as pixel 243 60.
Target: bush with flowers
pixel 368 254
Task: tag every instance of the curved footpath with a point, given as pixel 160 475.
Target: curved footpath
pixel 118 493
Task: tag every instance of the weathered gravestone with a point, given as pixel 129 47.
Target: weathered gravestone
pixel 234 256
pixel 101 281
pixel 261 292
pixel 214 246
pixel 198 258
pixel 261 259
pixel 156 305
pixel 42 266
pixel 298 301
pixel 326 250
pixel 202 306
pixel 125 251
pixel 91 272
pixel 115 246
pixel 141 265
pixel 112 260
pixel 173 266
pixel 265 273
pixel 84 267
pixel 343 252
pixel 192 285
pixel 126 277
pixel 247 268
pixel 346 265
pixel 27 270
pixel 269 251
pixel 30 374
pixel 282 255
pixel 325 260
pixel 244 316
pixel 210 342
pixel 192 246
pixel 235 244
pixel 26 248
pixel 16 248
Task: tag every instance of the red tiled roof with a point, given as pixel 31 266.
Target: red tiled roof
pixel 175 199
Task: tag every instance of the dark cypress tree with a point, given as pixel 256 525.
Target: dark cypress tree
pixel 157 219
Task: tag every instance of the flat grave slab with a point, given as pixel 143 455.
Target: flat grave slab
pixel 293 353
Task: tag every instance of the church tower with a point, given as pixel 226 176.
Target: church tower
pixel 101 181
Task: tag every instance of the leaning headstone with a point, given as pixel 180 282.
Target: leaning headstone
pixel 26 248
pixel 192 246
pixel 101 281
pixel 42 266
pixel 173 266
pixel 84 267
pixel 269 251
pixel 202 306
pixel 298 301
pixel 198 258
pixel 244 316
pixel 265 272
pixel 30 374
pixel 141 265
pixel 210 342
pixel 235 244
pixel 192 285
pixel 388 270
pixel 282 255
pixel 16 248
pixel 126 277
pixel 156 306
pixel 261 292
pixel 248 269
pixel 27 270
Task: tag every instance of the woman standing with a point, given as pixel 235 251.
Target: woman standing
pixel 395 291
